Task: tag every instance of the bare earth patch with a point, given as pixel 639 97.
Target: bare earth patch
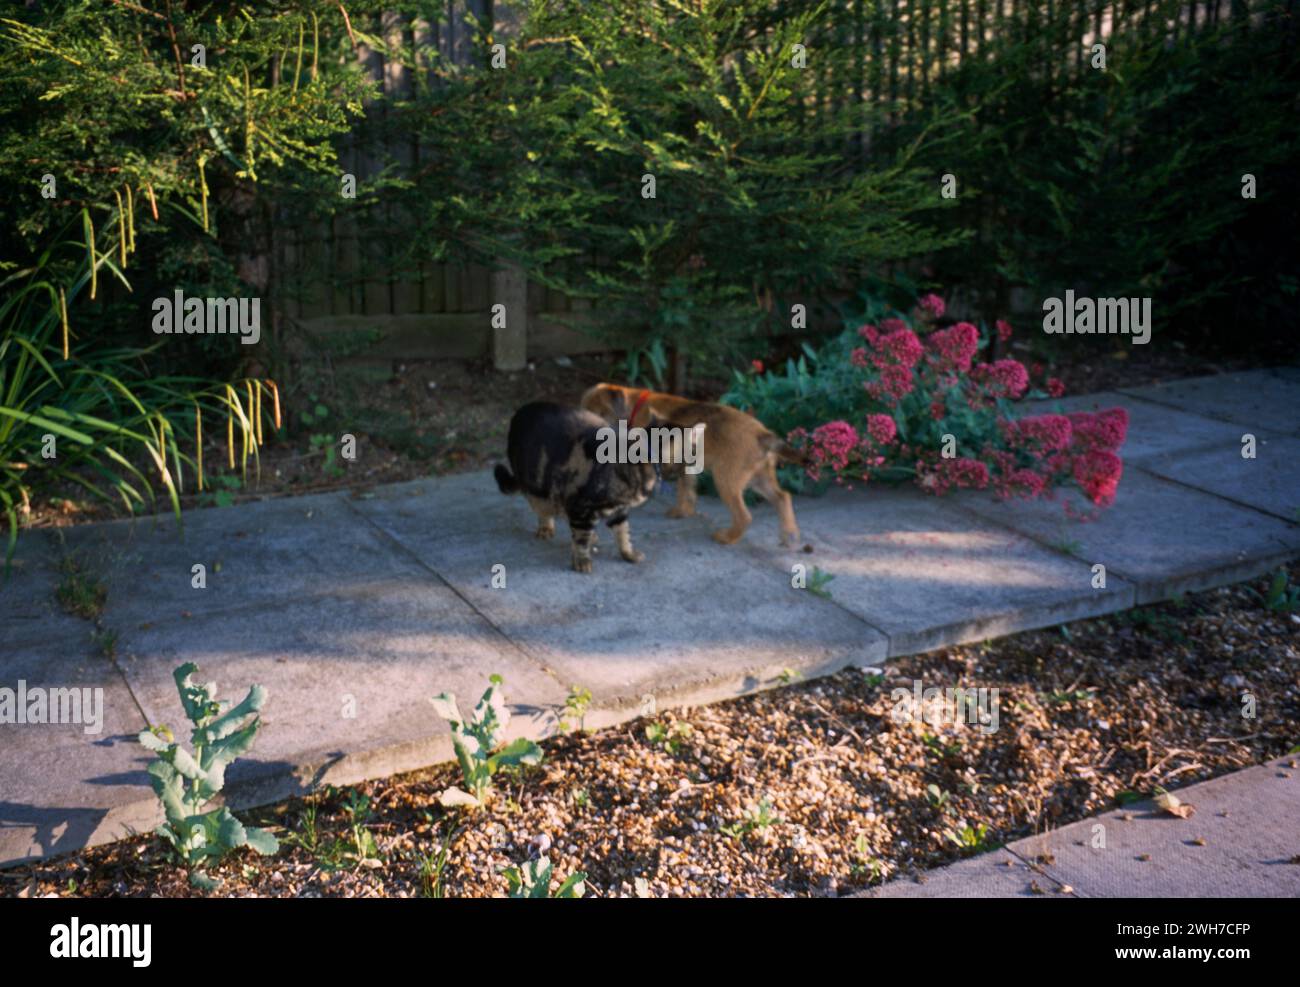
pixel 812 789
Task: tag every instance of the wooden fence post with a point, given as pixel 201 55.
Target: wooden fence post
pixel 509 282
pixel 509 324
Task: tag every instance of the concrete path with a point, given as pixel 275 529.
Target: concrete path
pixel 353 610
pixel 1242 841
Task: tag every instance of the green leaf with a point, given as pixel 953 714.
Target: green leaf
pixel 262 841
pixel 454 797
pixel 521 751
pixel 231 722
pixel 204 881
pixel 152 741
pixel 230 831
pixel 444 705
pixel 574 886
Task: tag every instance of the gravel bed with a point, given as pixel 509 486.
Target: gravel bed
pixel 814 789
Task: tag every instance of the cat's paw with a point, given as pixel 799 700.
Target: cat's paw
pixel 634 556
pixel 581 564
pixel 678 512
pixel 545 532
pixel 725 537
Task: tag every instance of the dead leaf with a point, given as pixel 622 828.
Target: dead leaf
pixel 1171 804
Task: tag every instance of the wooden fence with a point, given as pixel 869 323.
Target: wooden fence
pixel 334 283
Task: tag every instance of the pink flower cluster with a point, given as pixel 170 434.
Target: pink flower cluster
pixel 895 383
pixel 1097 473
pixel 952 350
pixel 830 447
pixel 1097 467
pixel 1082 446
pixel 838 448
pixel 1023 483
pixel 897 352
pixel 928 383
pixel 900 348
pixel 1101 430
pixel 1039 433
pixel 932 305
pixel 881 429
pixel 1000 379
pixel 944 474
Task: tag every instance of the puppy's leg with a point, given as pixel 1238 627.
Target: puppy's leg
pixel 731 490
pixel 685 506
pixel 618 524
pixel 545 517
pixel 583 531
pixel 765 482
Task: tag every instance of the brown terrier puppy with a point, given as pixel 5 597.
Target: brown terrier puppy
pixel 737 450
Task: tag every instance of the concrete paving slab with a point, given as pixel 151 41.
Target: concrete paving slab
pixel 694 622
pixel 349 678
pixel 463 502
pixel 1269 482
pixel 254 554
pixel 996 874
pixel 1154 429
pixel 1256 399
pixel 1162 536
pixel 930 576
pixel 1289 372
pixel 67 784
pixel 29 609
pixel 1241 842
pixel 471 502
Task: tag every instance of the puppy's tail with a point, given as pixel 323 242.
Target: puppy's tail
pixel 505 479
pixel 782 449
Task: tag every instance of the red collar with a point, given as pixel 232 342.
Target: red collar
pixel 640 400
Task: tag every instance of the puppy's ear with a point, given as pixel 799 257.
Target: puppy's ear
pixel 602 401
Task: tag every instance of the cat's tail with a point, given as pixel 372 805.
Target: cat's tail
pixel 505 479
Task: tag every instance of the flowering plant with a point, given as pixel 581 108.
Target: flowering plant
pixel 898 397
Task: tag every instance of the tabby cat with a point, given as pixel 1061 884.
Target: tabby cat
pixel 553 461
